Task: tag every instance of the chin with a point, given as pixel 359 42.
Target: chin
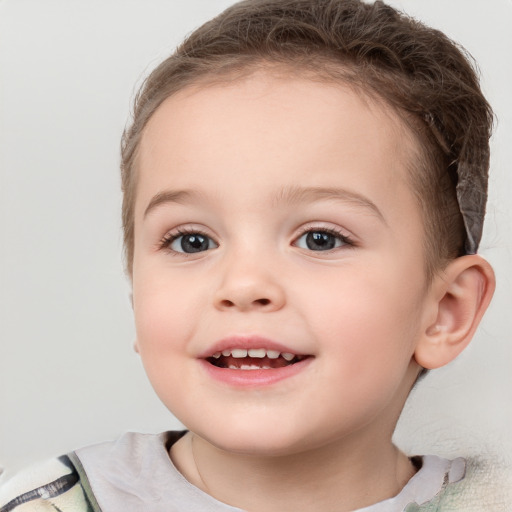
pixel 257 448
pixel 253 439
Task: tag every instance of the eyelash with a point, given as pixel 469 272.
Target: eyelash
pixel 168 239
pixel 345 239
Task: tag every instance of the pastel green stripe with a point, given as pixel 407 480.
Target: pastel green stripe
pixel 93 505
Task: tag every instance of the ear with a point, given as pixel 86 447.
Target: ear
pixel 136 342
pixel 459 298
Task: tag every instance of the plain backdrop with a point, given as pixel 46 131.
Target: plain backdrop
pixel 68 372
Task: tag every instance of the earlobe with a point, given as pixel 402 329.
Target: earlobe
pixel 460 296
pixel 136 342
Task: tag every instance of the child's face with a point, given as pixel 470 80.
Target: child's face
pixel 277 214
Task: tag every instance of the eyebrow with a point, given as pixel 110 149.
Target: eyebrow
pixel 289 195
pixel 296 194
pixel 169 196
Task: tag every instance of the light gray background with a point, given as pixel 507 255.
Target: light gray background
pixel 68 374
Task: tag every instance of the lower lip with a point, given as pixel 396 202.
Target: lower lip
pixel 254 378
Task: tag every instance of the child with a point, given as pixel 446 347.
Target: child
pixel 304 191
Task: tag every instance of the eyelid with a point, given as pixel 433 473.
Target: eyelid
pixel 347 238
pixel 173 234
pixel 320 226
pixel 324 226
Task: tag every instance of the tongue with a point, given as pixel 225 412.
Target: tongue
pixel 239 362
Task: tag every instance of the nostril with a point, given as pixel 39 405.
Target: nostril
pixel 228 304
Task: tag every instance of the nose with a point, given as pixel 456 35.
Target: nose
pixel 249 286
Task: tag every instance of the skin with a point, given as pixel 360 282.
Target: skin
pixel 363 311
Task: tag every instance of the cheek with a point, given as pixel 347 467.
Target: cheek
pixel 163 314
pixel 164 322
pixel 368 343
pixel 367 320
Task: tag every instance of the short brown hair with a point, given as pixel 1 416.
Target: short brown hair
pixel 425 77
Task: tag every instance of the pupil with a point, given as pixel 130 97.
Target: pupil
pixel 194 243
pixel 320 241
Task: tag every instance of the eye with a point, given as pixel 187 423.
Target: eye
pixel 321 240
pixel 190 243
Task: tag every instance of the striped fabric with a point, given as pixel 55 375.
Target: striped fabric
pixel 58 485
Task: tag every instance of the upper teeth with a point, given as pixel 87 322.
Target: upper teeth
pixel 254 352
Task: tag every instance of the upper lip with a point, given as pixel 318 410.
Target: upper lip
pixel 247 342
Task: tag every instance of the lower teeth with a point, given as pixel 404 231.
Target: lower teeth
pixel 248 367
pixel 249 363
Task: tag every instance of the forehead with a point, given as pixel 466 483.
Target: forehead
pixel 265 131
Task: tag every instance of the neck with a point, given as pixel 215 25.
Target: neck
pixel 341 476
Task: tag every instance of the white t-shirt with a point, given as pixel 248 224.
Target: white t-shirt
pixel 135 473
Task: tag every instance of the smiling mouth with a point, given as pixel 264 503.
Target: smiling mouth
pixel 253 359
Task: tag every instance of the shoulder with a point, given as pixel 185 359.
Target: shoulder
pixel 57 484
pixel 487 485
pixel 119 471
